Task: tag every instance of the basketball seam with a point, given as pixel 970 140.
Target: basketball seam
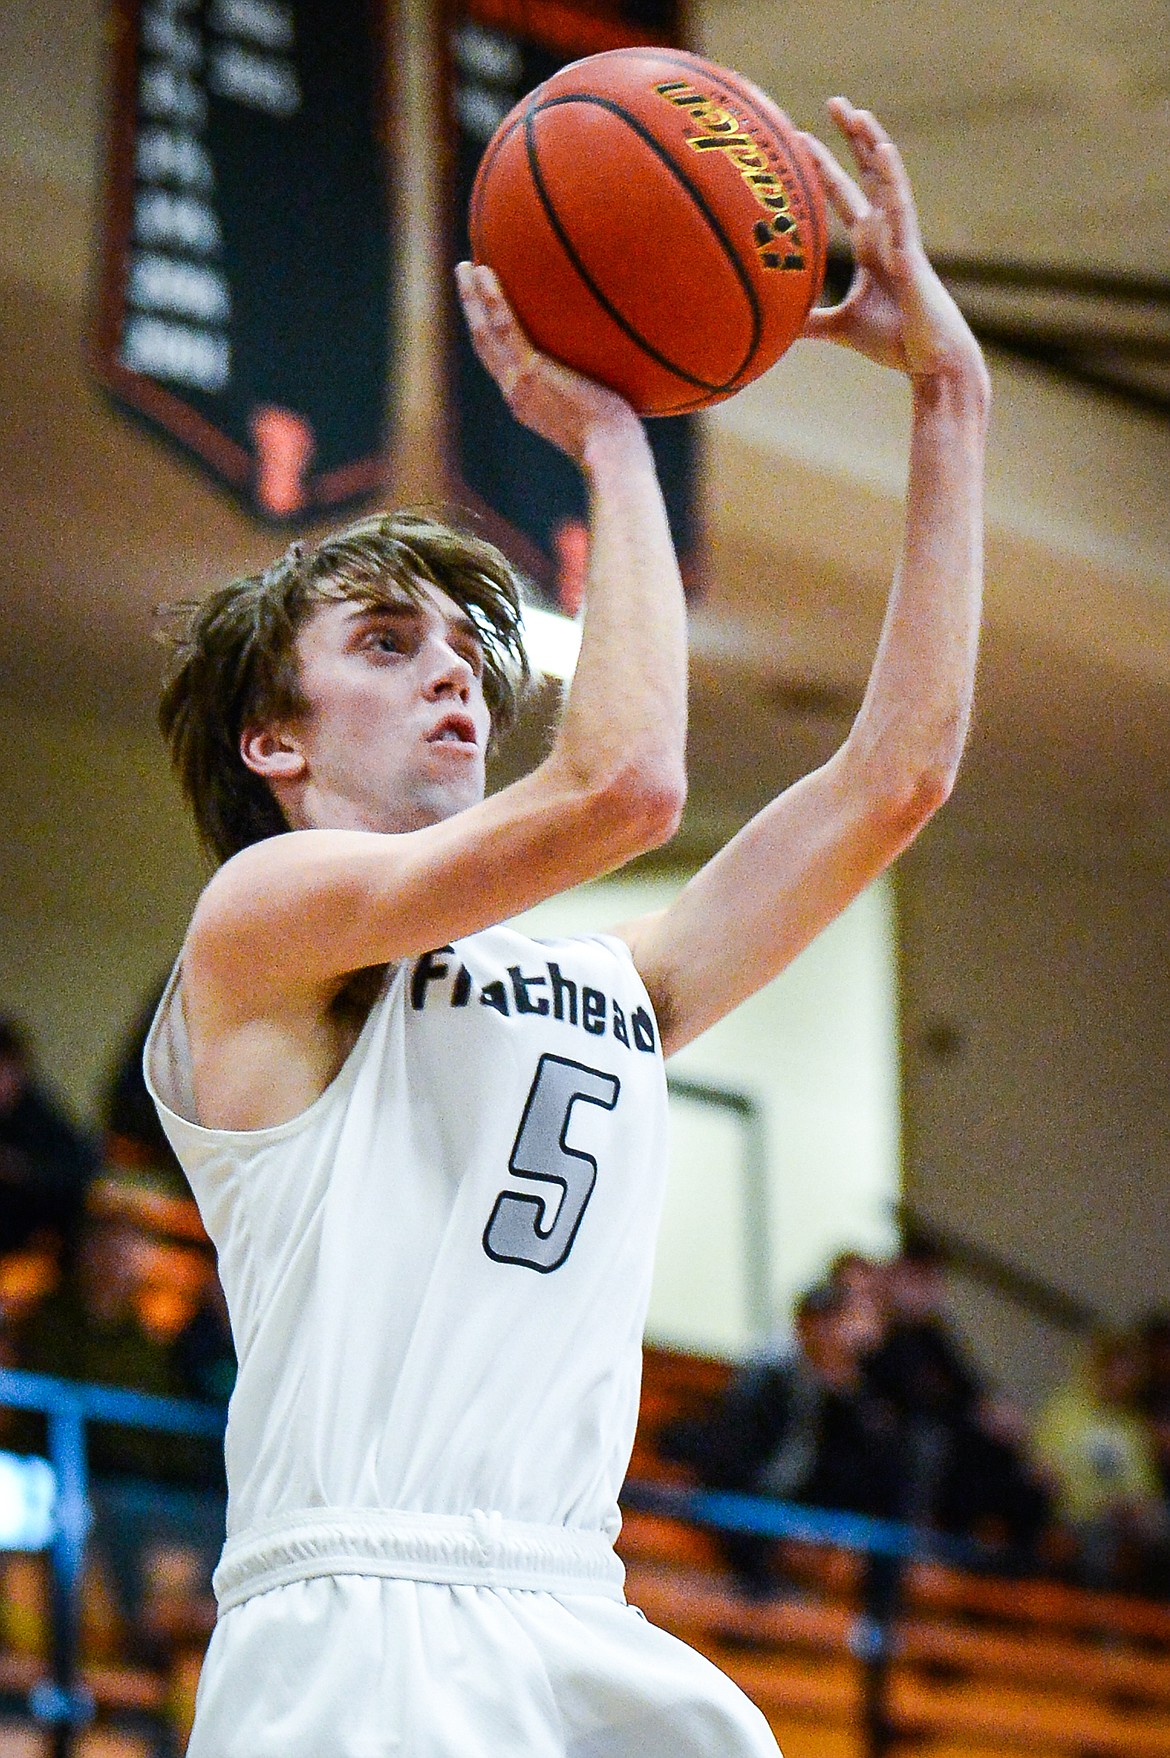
pixel 700 202
pixel 695 63
pixel 491 153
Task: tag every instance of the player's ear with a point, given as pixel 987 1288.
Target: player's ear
pixel 272 753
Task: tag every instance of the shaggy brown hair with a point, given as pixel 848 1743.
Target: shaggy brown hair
pixel 234 662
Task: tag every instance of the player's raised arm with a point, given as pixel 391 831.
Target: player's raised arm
pixel 290 916
pixel 802 860
pixel 625 718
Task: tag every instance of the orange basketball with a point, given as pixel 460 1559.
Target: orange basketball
pixel 656 223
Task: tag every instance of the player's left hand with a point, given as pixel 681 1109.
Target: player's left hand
pixel 897 311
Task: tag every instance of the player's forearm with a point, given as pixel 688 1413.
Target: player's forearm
pixel 622 735
pixel 910 733
pixel 626 711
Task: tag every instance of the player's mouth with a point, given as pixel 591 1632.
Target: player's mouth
pixel 456 731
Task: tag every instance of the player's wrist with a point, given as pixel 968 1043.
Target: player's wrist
pixel 957 384
pixel 614 443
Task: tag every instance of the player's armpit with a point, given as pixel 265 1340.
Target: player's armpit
pixel 807 855
pixel 770 892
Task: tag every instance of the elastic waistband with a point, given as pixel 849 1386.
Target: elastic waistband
pixel 476 1549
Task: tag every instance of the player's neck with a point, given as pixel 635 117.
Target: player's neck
pixel 314 808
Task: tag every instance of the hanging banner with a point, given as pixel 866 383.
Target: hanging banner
pixel 531 497
pixel 244 304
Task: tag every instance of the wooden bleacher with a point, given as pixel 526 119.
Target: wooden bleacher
pixel 134 1704
pixel 982 1667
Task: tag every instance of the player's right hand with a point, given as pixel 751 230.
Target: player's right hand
pixel 560 405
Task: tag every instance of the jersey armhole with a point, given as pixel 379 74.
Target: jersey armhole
pixel 170 1085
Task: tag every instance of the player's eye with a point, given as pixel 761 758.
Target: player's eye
pixel 388 638
pixel 470 650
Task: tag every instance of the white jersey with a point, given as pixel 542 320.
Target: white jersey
pixel 438 1274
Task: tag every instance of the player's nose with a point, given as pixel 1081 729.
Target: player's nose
pixel 448 672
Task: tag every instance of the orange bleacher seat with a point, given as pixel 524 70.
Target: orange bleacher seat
pixel 982 1667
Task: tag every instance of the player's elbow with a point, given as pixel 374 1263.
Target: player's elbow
pixel 641 805
pixel 904 775
pixel 662 807
pixel 907 802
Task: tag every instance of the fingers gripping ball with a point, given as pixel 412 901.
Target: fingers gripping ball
pixel 656 223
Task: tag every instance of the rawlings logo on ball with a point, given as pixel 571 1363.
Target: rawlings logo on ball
pixel 723 132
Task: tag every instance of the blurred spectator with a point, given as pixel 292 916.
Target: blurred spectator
pixel 1154 1339
pixel 123 1302
pixel 801 1429
pixel 27 1278
pixel 46 1164
pixel 859 1278
pixel 96 1326
pixel 111 1280
pixel 135 1139
pixel 919 1365
pixel 988 1487
pixel 1094 1443
pixel 966 1469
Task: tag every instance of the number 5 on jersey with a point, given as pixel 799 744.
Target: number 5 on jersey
pixel 519 1231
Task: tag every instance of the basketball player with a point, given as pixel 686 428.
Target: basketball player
pixel 428 1148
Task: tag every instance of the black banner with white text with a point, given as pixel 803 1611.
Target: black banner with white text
pixel 492 52
pixel 249 247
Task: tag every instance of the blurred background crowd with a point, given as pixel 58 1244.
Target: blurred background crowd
pixel 873 1405
pixel 870 1402
pixel 106 1277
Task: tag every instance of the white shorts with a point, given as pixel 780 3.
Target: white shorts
pixel 356 1665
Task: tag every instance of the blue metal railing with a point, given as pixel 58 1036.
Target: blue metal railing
pixel 886 1547
pixel 729 1511
pixel 61 1701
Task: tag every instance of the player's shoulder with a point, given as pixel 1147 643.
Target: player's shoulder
pixel 238 893
pixel 264 910
pixel 246 878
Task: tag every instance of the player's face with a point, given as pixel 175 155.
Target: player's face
pixel 397 729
